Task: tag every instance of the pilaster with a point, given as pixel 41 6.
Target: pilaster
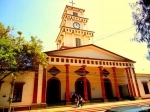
pixel 116 83
pixel 102 84
pixel 136 82
pixel 35 89
pixel 44 86
pixel 129 82
pixel 84 82
pixel 67 83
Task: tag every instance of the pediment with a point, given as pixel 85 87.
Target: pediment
pixel 88 51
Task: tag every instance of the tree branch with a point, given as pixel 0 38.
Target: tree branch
pixel 5 76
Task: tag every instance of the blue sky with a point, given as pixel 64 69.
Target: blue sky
pixel 42 18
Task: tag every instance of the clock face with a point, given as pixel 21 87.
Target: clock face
pixel 76 25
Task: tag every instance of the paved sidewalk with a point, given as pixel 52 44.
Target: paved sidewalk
pixel 93 107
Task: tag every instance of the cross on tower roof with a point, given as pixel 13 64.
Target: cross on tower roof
pixel 72 2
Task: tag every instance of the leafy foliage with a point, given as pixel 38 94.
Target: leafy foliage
pixel 19 55
pixel 141 16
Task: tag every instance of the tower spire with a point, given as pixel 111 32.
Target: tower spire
pixel 72 2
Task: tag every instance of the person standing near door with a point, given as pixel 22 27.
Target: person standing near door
pixel 81 101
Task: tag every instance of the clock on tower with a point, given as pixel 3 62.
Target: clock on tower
pixel 76 25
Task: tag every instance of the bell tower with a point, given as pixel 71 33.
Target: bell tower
pixel 72 29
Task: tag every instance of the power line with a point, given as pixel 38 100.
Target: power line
pixel 104 37
pixel 116 33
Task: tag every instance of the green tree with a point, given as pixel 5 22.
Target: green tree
pixel 3 30
pixel 18 56
pixel 141 16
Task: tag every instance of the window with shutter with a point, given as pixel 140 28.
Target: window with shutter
pixel 78 42
pixel 145 86
pixel 17 94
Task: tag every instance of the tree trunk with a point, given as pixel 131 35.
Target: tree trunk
pixel 11 91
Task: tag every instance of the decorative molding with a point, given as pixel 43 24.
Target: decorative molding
pixel 54 71
pixel 78 31
pixel 105 72
pixel 80 72
pixel 75 18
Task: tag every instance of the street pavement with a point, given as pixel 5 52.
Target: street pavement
pixel 93 107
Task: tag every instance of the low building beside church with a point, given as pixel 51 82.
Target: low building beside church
pixel 144 84
pixel 76 66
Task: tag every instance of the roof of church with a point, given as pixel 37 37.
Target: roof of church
pixel 68 48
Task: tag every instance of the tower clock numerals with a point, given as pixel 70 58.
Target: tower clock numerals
pixel 76 25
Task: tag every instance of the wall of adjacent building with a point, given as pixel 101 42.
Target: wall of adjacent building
pixel 27 92
pixel 143 78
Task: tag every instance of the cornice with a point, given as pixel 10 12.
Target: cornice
pixel 78 18
pixel 75 18
pixel 75 31
pixel 52 55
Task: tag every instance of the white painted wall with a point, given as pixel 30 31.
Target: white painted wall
pixel 70 40
pixel 40 78
pixel 88 52
pixel 141 79
pixel 27 93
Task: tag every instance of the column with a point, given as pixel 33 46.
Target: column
pixel 84 82
pixel 67 83
pixel 102 83
pixel 130 75
pixel 129 83
pixel 139 95
pixel 116 82
pixel 35 89
pixel 43 97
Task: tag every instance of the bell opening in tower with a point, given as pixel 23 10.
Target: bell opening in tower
pixel 75 14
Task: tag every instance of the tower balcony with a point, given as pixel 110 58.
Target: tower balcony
pixel 78 31
pixel 75 18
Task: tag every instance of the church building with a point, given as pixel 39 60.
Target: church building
pixel 76 66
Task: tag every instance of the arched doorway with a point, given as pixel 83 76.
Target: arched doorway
pixel 79 87
pixel 108 89
pixel 53 94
